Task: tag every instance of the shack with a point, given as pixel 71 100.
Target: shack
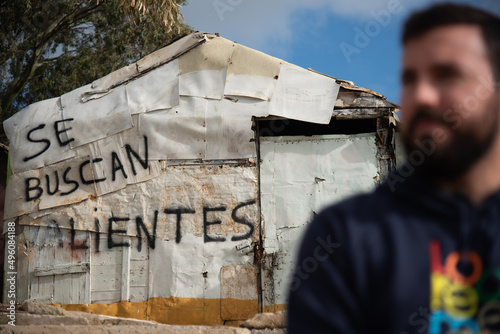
pixel 177 189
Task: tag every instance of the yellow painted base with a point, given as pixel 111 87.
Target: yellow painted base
pixel 180 311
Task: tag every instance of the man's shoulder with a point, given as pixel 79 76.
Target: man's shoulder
pixel 367 203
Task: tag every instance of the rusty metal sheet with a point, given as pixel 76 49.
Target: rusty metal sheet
pixel 97 118
pixel 158 89
pixel 209 193
pixel 55 185
pixel 299 177
pixel 123 159
pixel 303 95
pixel 115 78
pixel 203 71
pixel 177 133
pixel 173 51
pixel 238 292
pixel 252 74
pixel 35 136
pixel 16 203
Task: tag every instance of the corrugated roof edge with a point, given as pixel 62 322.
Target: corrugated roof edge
pixel 148 63
pixel 177 49
pixel 349 85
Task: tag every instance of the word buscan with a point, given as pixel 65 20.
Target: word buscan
pixel 51 184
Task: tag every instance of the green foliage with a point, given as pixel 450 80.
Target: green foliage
pixel 48 48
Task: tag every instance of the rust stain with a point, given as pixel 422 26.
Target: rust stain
pixel 236 309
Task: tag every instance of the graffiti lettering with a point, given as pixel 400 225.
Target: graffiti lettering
pixel 117 165
pixel 131 152
pixel 98 234
pixel 206 224
pixel 46 141
pixel 35 190
pixel 242 220
pixel 82 178
pixel 58 132
pixel 151 238
pixel 111 231
pixel 179 213
pixel 82 245
pixel 75 184
pixel 210 218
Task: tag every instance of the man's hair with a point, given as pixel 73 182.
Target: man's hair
pixel 447 14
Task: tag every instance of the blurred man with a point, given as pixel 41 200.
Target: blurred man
pixel 421 254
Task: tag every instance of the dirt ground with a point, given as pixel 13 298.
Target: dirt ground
pixel 31 318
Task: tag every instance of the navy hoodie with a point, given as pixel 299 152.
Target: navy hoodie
pixel 406 258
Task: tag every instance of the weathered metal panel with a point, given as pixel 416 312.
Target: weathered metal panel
pixel 155 90
pixel 252 74
pixel 31 131
pixel 148 178
pixel 298 90
pixel 85 122
pixel 299 177
pixel 239 299
pixel 59 271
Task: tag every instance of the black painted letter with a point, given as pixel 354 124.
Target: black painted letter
pixel 47 178
pixel 83 245
pixel 206 224
pixel 65 179
pixel 115 158
pixel 242 220
pixel 130 152
pixel 178 212
pixel 30 188
pixel 46 141
pixel 58 132
pixel 111 243
pixel 151 239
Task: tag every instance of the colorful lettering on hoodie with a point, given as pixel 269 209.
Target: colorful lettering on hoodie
pixel 412 259
pixel 464 294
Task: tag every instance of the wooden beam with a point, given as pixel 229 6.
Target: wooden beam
pixel 358 99
pixel 360 113
pixel 63 269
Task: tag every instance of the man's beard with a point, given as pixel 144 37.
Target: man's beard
pixel 465 146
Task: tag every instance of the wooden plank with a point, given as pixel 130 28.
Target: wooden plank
pixel 107 256
pixel 24 249
pixel 134 252
pixel 105 297
pixel 125 286
pixel 45 288
pixel 81 282
pixel 360 113
pixel 138 273
pixel 105 272
pixel 62 283
pixel 62 269
pixel 44 246
pixel 138 294
pixel 106 278
pixel 358 99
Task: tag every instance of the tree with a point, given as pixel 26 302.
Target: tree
pixel 48 48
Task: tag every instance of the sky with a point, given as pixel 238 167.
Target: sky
pixel 355 40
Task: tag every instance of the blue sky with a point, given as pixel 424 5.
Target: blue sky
pixel 325 35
